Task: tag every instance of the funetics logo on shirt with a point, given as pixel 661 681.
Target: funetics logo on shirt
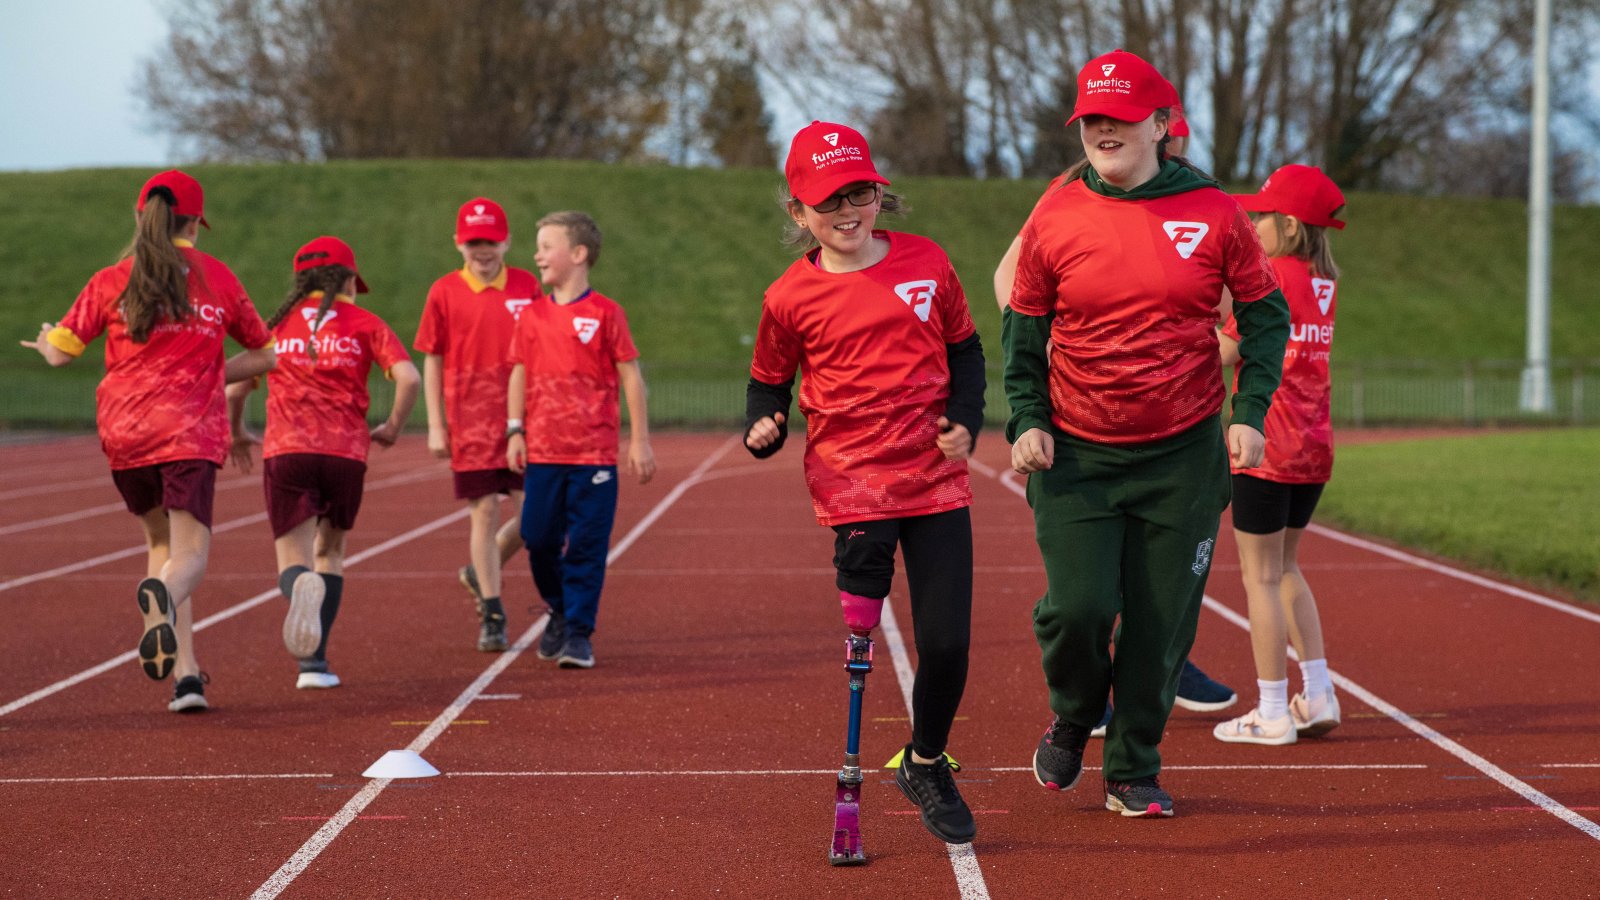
pixel 1322 289
pixel 1186 236
pixel 585 328
pixel 310 315
pixel 515 305
pixel 918 295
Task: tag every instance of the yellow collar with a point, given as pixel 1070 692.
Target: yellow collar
pixel 478 287
pixel 337 298
pixel 183 242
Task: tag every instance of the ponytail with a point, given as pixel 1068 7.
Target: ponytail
pixel 330 280
pixel 158 284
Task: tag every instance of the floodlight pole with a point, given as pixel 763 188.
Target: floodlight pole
pixel 1536 392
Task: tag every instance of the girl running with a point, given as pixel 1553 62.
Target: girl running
pixel 1116 423
pixel 1273 502
pixel 165 310
pixel 893 399
pixel 315 457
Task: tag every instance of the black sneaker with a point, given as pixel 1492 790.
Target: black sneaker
pixel 554 637
pixel 468 576
pixel 1199 692
pixel 158 648
pixel 932 789
pixel 1058 760
pixel 1140 798
pixel 492 634
pixel 189 694
pixel 576 652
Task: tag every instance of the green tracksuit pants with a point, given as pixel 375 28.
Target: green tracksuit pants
pixel 1125 530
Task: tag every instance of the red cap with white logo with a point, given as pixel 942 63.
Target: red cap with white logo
pixel 328 251
pixel 183 194
pixel 1121 85
pixel 824 157
pixel 481 219
pixel 1178 125
pixel 1300 191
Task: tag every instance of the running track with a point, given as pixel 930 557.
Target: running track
pixel 698 758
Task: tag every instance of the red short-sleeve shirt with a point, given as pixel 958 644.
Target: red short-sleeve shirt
pixel 468 324
pixel 875 378
pixel 162 400
pixel 569 353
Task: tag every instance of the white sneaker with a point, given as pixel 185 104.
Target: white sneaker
pixel 1251 728
pixel 1315 718
pixel 317 681
pixel 302 627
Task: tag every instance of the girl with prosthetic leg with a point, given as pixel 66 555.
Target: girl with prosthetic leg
pixel 893 399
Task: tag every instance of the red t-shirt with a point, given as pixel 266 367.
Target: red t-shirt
pixel 1134 287
pixel 469 325
pixel 1299 428
pixel 321 407
pixel 569 353
pixel 162 400
pixel 876 377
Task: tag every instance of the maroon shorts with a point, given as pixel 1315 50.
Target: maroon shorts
pixel 186 484
pixel 483 482
pixel 301 486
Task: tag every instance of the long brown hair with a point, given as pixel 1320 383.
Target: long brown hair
pixel 158 284
pixel 1309 242
pixel 330 280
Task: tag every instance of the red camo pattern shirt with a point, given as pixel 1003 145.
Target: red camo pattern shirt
pixel 875 378
pixel 1299 427
pixel 469 325
pixel 569 354
pixel 1134 287
pixel 163 400
pixel 321 406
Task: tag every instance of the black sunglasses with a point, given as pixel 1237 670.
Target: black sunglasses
pixel 861 196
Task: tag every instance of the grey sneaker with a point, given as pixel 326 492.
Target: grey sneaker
pixel 577 652
pixel 492 634
pixel 1139 798
pixel 158 648
pixel 1058 760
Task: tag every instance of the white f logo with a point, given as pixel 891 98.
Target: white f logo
pixel 918 295
pixel 585 328
pixel 1323 289
pixel 1108 68
pixel 310 314
pixel 515 305
pixel 832 139
pixel 1186 235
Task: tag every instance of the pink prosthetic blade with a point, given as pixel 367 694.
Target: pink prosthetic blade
pixel 861 614
pixel 846 849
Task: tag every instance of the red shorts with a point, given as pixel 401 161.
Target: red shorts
pixel 301 486
pixel 186 484
pixel 483 482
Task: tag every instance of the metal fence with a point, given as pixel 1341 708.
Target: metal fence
pixel 1387 392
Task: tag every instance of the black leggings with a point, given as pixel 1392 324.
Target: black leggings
pixel 937 550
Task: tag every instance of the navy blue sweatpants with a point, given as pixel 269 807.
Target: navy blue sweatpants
pixel 567 513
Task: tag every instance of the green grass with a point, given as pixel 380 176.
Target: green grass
pixel 1523 503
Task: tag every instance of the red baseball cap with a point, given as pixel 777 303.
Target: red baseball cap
pixel 328 251
pixel 187 199
pixel 1300 191
pixel 1121 85
pixel 481 219
pixel 824 157
pixel 1178 125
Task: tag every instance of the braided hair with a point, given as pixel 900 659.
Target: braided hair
pixel 330 280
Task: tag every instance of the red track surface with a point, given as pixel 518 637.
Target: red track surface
pixel 698 757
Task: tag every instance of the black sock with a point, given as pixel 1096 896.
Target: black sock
pixel 332 594
pixel 287 577
pixel 492 609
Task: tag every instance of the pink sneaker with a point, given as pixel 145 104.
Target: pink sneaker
pixel 1314 718
pixel 1251 728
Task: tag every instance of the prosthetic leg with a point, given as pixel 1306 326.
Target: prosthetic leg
pixel 861 615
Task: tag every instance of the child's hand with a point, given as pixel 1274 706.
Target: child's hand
pixel 1246 446
pixel 764 432
pixel 39 343
pixel 517 453
pixel 386 434
pixel 1034 451
pixel 641 461
pixel 439 442
pixel 955 441
pixel 240 452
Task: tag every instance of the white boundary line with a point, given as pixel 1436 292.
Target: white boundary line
pixel 1506 779
pixel 121 778
pixel 330 830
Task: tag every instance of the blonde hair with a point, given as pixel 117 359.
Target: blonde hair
pixel 158 282
pixel 1309 243
pixel 800 237
pixel 582 230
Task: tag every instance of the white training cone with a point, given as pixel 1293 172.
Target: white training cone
pixel 401 764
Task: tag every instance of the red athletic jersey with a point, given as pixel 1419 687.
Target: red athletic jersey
pixel 569 354
pixel 162 400
pixel 321 407
pixel 1134 287
pixel 875 378
pixel 469 324
pixel 1299 427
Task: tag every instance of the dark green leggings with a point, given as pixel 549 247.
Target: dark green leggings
pixel 1125 530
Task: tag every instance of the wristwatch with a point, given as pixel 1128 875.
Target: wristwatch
pixel 514 426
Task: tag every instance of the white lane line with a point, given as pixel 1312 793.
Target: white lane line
pixel 734 773
pixel 1506 779
pixel 963 859
pixel 325 835
pixel 1451 571
pixel 123 778
pixel 228 613
pixel 230 525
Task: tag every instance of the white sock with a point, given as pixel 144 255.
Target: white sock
pixel 1274 698
pixel 1315 674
